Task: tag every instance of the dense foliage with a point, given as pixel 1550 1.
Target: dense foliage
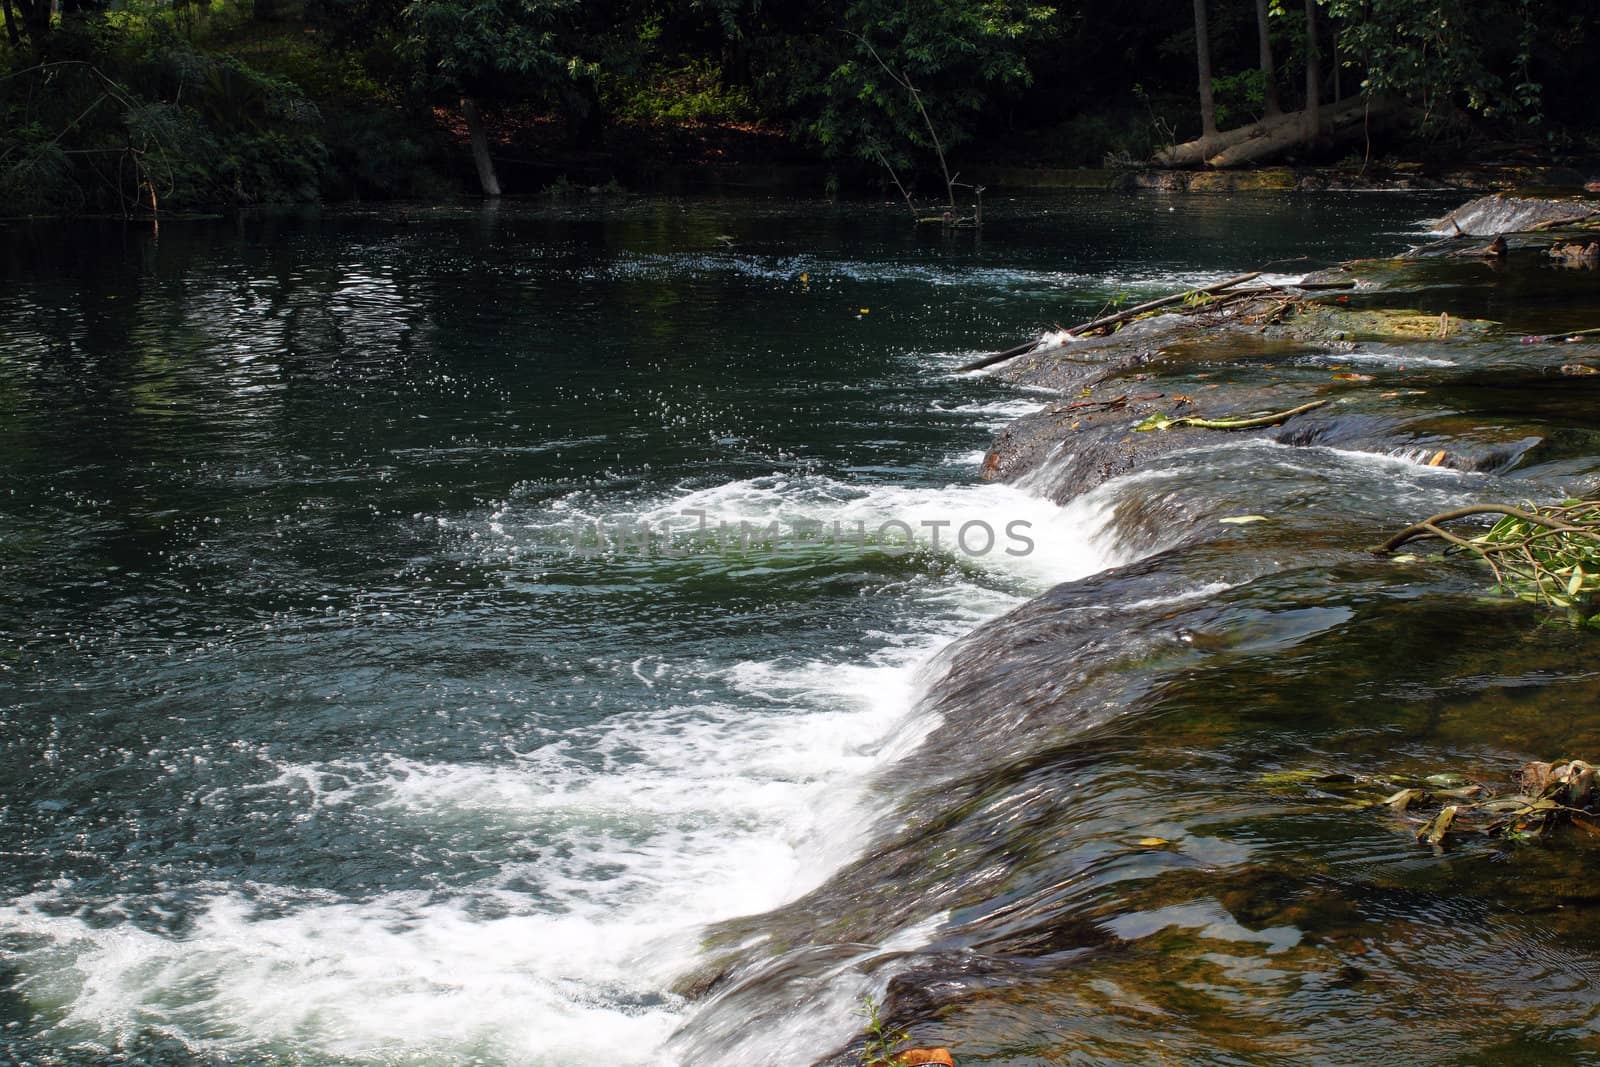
pixel 135 105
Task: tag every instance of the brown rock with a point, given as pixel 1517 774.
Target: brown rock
pixel 912 1057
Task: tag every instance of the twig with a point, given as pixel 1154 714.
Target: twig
pixel 911 207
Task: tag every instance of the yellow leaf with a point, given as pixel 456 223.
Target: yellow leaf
pixel 1153 842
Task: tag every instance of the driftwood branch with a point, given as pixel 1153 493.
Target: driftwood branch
pixel 1106 321
pixel 1164 422
pixel 1570 220
pixel 1539 338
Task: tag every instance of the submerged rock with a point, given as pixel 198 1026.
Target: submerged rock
pixel 1576 254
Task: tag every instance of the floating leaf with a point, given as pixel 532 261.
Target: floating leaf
pixel 1405 798
pixel 1446 781
pixel 1242 520
pixel 1298 777
pixel 1153 842
pixel 1501 805
pixel 1434 830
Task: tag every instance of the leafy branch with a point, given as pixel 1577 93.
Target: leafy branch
pixel 1543 554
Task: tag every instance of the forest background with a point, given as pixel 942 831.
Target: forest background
pixel 141 106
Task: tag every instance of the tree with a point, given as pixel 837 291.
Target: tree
pixel 1269 73
pixel 913 77
pixel 30 19
pixel 1441 53
pixel 1208 103
pixel 476 50
pixel 1313 111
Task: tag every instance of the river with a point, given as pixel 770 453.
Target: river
pixel 488 636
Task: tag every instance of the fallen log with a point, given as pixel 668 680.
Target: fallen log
pixel 1268 143
pixel 999 357
pixel 1192 153
pixel 1290 128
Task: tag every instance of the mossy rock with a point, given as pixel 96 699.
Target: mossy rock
pixel 1267 179
pixel 1382 324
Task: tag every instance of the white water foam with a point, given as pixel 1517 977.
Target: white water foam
pixel 996 414
pixel 641 829
pixel 1376 358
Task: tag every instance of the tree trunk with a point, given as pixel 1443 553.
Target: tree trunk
pixel 1333 49
pixel 1313 74
pixel 1202 52
pixel 12 35
pixel 35 21
pixel 480 147
pixel 1268 68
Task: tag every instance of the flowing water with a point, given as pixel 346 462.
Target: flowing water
pixel 458 636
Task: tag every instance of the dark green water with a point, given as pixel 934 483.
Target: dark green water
pixel 327 737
